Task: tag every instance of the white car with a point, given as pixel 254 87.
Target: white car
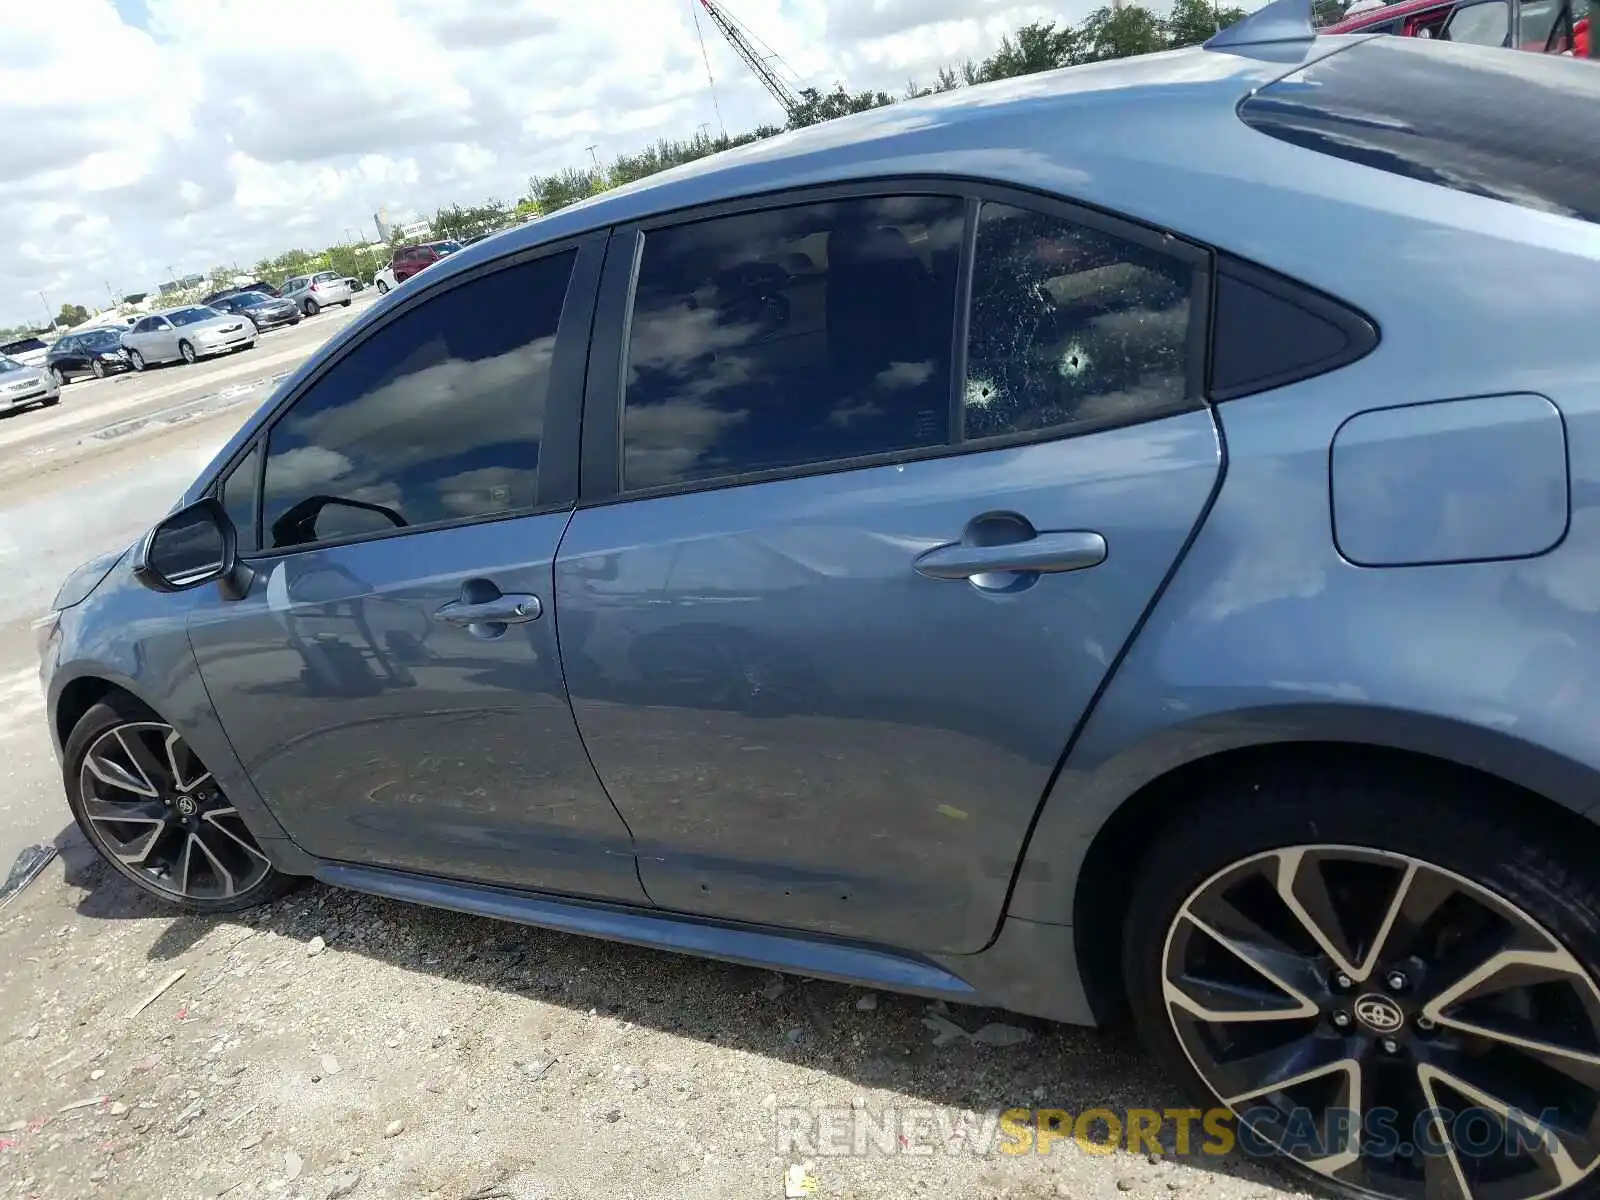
pixel 384 280
pixel 29 351
pixel 22 385
pixel 189 333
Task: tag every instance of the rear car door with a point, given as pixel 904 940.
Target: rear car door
pixel 866 520
pixel 391 680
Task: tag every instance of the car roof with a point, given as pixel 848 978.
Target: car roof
pixel 1382 16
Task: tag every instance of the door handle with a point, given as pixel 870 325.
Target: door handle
pixel 1042 554
pixel 513 609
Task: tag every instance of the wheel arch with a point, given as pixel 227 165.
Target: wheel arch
pixel 1083 860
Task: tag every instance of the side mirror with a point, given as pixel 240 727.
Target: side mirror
pixel 191 547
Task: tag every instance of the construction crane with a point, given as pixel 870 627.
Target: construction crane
pixel 742 46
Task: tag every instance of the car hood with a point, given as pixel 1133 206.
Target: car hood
pixel 215 323
pixel 13 380
pixel 80 583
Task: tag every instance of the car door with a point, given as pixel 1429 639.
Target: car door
pixel 163 340
pixel 391 680
pixel 66 355
pixel 854 555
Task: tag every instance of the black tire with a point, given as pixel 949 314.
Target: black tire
pixel 120 712
pixel 346 303
pixel 312 308
pixel 1462 832
pixel 136 360
pixel 60 376
pixel 185 349
pixel 98 368
pixel 52 401
pixel 383 288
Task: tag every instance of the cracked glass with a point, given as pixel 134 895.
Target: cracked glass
pixel 1071 326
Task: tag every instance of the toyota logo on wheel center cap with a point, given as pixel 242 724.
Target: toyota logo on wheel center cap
pixel 1379 1013
pixel 187 806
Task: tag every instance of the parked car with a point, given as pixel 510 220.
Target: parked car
pixel 22 385
pixel 96 352
pixel 408 260
pixel 1121 536
pixel 264 311
pixel 313 293
pixel 384 280
pixel 29 351
pixel 193 332
pixel 259 285
pixel 355 284
pixel 1544 26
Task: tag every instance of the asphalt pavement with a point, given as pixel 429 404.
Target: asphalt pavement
pixel 90 475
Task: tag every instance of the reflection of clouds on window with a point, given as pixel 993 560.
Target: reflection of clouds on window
pixel 436 416
pixel 1069 325
pixel 807 334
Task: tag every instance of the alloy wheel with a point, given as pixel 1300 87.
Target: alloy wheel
pixel 136 359
pixel 1389 1024
pixel 57 374
pixel 99 369
pixel 185 349
pixel 155 809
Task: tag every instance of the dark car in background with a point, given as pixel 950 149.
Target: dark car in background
pixel 96 352
pixel 264 311
pixel 260 285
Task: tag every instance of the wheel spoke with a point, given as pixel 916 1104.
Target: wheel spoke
pixel 223 876
pixel 1305 894
pixel 214 820
pixel 150 812
pixel 176 751
pixel 1349 1103
pixel 114 774
pixel 1532 1133
pixel 1273 966
pixel 151 770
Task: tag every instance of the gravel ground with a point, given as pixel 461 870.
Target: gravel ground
pixel 333 1044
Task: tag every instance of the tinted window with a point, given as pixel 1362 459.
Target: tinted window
pixel 1515 127
pixel 1485 24
pixel 1071 325
pixel 435 417
pixel 239 497
pixel 810 334
pixel 190 316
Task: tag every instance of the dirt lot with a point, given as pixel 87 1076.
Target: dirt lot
pixel 333 1045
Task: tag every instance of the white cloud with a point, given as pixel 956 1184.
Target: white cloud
pixel 142 135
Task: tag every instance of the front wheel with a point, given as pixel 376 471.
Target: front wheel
pixel 1389 978
pixel 152 810
pixel 99 369
pixel 383 288
pixel 346 303
pixel 185 349
pixel 136 360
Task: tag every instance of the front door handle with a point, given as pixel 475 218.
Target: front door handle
pixel 1044 553
pixel 512 609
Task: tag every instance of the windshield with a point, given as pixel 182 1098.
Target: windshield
pixel 22 346
pixel 446 247
pixel 9 364
pixel 102 338
pixel 249 299
pixel 191 316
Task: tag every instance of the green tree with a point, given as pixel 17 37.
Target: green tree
pixel 552 192
pixel 1108 33
pixel 462 223
pixel 816 106
pixel 1039 46
pixel 1193 21
pixel 72 314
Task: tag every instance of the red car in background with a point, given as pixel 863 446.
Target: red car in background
pixel 408 260
pixel 1543 26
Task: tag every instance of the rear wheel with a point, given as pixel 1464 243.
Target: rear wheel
pixel 153 811
pixel 185 349
pixel 312 308
pixel 60 376
pixel 1391 985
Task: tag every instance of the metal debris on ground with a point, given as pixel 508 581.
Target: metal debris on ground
pixel 30 862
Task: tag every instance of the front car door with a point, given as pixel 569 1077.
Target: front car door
pixel 391 680
pixel 854 553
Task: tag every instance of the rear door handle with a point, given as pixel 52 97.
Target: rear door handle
pixel 512 609
pixel 1042 554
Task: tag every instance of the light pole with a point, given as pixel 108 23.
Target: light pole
pixel 49 316
pixel 590 148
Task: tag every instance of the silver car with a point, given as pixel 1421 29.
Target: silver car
pixel 22 385
pixel 193 332
pixel 313 293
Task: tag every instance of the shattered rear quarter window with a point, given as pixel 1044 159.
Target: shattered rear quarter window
pixel 1071 326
